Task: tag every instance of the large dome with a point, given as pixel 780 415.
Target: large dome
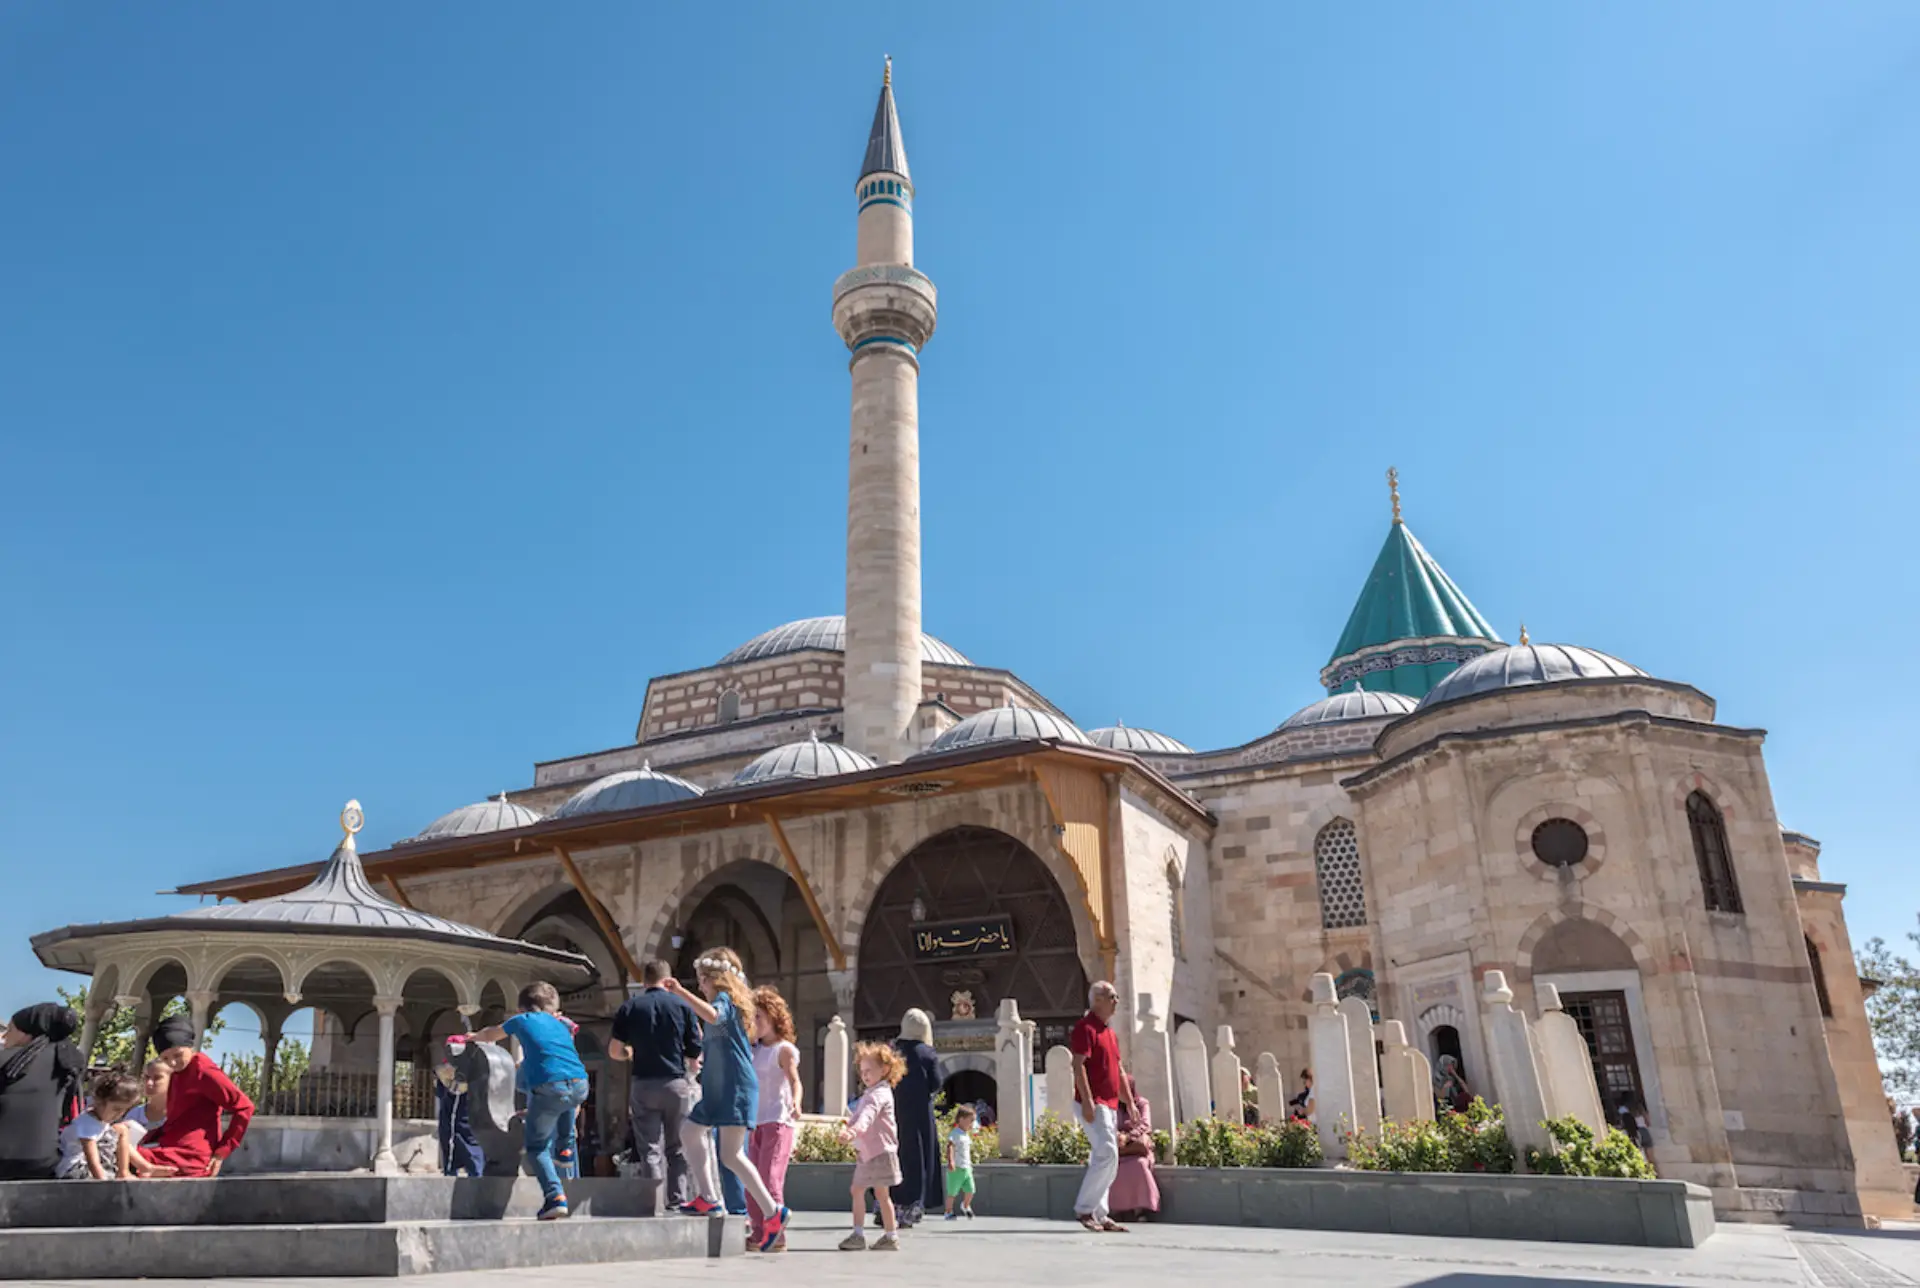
pixel 809 759
pixel 630 789
pixel 1006 724
pixel 1527 664
pixel 829 633
pixel 1145 742
pixel 1363 704
pixel 495 815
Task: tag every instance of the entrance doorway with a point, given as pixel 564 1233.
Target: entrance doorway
pixel 1602 1018
pixel 970 1087
pixel 1445 1040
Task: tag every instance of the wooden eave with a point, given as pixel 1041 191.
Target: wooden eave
pixel 976 769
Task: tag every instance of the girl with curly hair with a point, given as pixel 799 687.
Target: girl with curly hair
pixel 776 1063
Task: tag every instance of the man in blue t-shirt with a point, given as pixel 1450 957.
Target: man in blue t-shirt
pixel 658 1033
pixel 555 1082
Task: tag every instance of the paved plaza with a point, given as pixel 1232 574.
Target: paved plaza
pixel 1001 1253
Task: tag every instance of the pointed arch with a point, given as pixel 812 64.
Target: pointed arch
pixel 1819 979
pixel 1710 851
pixel 1336 865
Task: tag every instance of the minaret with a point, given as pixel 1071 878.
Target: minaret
pixel 884 310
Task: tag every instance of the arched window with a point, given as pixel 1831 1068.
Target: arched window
pixel 1819 979
pixel 729 706
pixel 1176 908
pixel 1336 861
pixel 1710 849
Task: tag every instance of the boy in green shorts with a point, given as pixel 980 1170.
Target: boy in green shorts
pixel 960 1164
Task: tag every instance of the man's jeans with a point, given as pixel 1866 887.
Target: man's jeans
pixel 551 1107
pixel 1103 1164
pixel 657 1107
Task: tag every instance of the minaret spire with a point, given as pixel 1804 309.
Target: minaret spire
pixel 885 310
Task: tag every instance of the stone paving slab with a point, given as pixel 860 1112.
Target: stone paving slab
pixel 1002 1253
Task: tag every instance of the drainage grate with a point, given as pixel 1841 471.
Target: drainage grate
pixel 1832 1264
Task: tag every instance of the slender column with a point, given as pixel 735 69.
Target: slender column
pixel 143 1009
pixel 201 1003
pixel 271 1030
pixel 384 1163
pixel 98 1004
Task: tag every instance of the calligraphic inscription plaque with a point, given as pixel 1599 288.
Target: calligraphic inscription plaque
pixel 974 937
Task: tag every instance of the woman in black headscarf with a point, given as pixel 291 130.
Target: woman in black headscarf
pixel 40 1074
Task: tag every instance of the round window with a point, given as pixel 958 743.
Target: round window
pixel 1560 842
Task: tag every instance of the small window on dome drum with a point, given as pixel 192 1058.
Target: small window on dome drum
pixel 1560 843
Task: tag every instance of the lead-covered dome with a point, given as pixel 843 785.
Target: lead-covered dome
pixel 1007 724
pixel 1362 704
pixel 1142 742
pixel 496 814
pixel 1527 664
pixel 809 759
pixel 629 789
pixel 829 633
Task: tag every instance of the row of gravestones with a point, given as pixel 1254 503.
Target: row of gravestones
pixel 1541 1069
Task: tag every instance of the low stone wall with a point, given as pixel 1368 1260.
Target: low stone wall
pixel 1565 1209
pixel 287 1143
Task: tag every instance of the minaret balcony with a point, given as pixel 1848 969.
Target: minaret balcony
pixel 882 302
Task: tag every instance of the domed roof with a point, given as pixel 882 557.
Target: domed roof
pixel 1525 664
pixel 1363 704
pixel 629 789
pixel 496 814
pixel 1006 724
pixel 828 633
pixel 809 759
pixel 1119 737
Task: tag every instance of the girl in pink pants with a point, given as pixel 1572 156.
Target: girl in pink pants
pixel 776 1063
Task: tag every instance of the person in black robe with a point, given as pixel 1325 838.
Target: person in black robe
pixel 921 1184
pixel 40 1073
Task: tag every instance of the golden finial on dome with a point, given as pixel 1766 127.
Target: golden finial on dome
pixel 1393 490
pixel 351 819
pixel 1524 638
pixel 886 77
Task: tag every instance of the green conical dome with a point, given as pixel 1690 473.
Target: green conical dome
pixel 1411 626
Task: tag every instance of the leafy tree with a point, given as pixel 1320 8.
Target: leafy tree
pixel 289 1063
pixel 1894 1012
pixel 114 1045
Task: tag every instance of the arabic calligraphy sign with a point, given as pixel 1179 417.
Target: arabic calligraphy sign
pixel 974 937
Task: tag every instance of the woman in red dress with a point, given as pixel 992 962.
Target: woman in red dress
pixel 191 1138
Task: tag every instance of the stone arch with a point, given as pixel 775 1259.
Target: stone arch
pixel 1559 808
pixel 1341 963
pixel 1581 933
pixel 755 936
pixel 143 975
pixel 716 855
pixel 566 922
pixel 965 872
pixel 943 817
pixel 1731 803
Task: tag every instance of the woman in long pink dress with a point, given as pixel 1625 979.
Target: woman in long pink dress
pixel 1135 1194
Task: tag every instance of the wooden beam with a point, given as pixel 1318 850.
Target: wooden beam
pixel 399 892
pixel 607 929
pixel 1079 810
pixel 834 950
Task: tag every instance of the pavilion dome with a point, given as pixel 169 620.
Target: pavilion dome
pixel 829 634
pixel 497 814
pixel 809 759
pixel 1522 665
pixel 1144 742
pixel 1362 704
pixel 1007 724
pixel 629 789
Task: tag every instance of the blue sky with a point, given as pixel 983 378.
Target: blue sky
pixel 387 393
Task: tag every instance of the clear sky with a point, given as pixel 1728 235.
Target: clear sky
pixel 386 392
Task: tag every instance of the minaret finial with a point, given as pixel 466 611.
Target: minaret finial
pixel 886 77
pixel 351 821
pixel 1393 490
pixel 1524 637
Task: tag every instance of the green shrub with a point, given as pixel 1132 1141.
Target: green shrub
pixel 1477 1140
pixel 1580 1154
pixel 1163 1148
pixel 1289 1144
pixel 820 1143
pixel 1212 1142
pixel 1474 1141
pixel 1055 1140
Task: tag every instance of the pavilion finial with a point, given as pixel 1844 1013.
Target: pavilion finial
pixel 1525 639
pixel 886 77
pixel 1393 490
pixel 351 821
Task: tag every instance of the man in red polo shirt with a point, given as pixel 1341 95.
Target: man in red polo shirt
pixel 1098 1087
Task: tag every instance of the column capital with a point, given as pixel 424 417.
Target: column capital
pixel 388 1006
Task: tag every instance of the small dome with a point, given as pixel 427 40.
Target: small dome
pixel 1006 724
pixel 495 815
pixel 1360 705
pixel 1527 664
pixel 809 759
pixel 1118 737
pixel 630 789
pixel 829 633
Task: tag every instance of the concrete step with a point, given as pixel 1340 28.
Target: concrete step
pixel 356 1250
pixel 313 1199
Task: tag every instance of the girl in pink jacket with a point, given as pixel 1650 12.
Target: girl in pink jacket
pixel 875 1137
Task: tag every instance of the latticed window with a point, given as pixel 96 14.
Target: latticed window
pixel 1819 979
pixel 1336 861
pixel 1177 910
pixel 1710 849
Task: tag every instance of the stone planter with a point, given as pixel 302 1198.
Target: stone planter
pixel 1568 1209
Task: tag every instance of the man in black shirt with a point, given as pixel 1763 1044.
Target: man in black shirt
pixel 659 1033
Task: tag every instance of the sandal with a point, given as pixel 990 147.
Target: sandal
pixel 1090 1225
pixel 1111 1226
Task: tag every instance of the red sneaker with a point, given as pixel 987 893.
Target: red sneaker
pixel 771 1233
pixel 700 1206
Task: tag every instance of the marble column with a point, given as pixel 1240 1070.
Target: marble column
pixel 384 1162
